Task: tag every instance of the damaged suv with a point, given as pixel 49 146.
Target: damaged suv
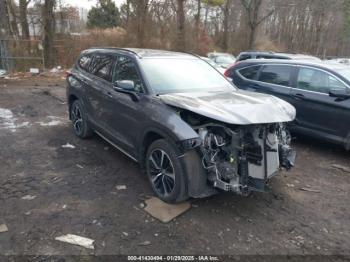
pixel 188 127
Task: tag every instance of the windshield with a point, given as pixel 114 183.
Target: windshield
pixel 344 73
pixel 208 60
pixel 225 59
pixel 173 75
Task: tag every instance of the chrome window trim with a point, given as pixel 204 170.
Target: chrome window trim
pixel 325 71
pixel 289 87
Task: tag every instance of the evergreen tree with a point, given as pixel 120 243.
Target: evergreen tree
pixel 104 15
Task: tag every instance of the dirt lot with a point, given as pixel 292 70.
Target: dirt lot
pixel 75 192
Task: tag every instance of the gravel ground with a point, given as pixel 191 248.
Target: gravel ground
pixel 73 191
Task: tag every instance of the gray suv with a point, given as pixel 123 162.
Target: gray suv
pixel 189 128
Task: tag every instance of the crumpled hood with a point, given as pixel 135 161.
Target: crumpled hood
pixel 237 107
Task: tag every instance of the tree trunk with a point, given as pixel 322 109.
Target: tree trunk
pixel 198 19
pixel 225 26
pixel 251 39
pixel 23 19
pixel 206 17
pixel 142 10
pixel 48 32
pixel 12 20
pixel 180 43
pixel 5 63
pixel 127 13
pixel 252 9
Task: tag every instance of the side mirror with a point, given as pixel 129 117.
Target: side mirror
pixel 339 93
pixel 127 85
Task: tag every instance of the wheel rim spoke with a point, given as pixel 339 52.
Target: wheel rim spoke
pixel 170 175
pixel 155 178
pixel 77 125
pixel 77 119
pixel 153 161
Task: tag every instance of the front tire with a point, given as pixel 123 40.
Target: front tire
pixel 79 120
pixel 165 172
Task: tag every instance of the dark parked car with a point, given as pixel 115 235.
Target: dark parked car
pixel 320 93
pixel 272 55
pixel 188 126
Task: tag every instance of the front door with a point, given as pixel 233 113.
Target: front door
pixel 126 117
pixel 316 109
pixel 276 79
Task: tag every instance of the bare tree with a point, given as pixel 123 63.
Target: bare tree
pixel 252 9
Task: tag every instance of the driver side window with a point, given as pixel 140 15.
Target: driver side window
pixel 318 81
pixel 125 69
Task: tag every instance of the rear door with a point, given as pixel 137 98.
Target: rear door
pixel 275 80
pixel 84 81
pixel 99 87
pixel 316 110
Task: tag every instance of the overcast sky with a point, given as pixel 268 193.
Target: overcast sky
pixel 88 3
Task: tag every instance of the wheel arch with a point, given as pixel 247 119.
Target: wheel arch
pixel 149 136
pixel 196 178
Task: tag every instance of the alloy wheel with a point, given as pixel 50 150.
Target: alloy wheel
pixel 77 119
pixel 161 172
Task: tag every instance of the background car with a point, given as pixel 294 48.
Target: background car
pixel 224 60
pixel 212 63
pixel 344 61
pixel 320 92
pixel 272 55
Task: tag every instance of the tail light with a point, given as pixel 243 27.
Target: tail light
pixel 227 72
pixel 236 63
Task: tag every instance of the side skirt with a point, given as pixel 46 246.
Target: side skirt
pixel 117 147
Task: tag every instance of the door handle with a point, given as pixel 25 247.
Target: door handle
pixel 109 94
pixel 298 96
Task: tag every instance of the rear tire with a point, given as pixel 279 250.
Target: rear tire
pixel 166 172
pixel 79 120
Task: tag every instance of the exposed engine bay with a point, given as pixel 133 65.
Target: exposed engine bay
pixel 241 159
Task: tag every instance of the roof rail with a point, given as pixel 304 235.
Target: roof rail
pixel 118 48
pixel 191 53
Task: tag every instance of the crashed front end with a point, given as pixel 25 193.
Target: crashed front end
pixel 242 159
pixel 242 138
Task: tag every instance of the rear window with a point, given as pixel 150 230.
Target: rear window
pixel 84 62
pixel 250 72
pixel 102 66
pixel 276 74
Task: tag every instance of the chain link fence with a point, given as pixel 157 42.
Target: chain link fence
pixel 21 55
